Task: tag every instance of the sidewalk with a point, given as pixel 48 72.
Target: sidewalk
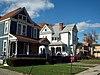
pixel 8 72
pixel 91 71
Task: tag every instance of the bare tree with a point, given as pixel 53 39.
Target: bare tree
pixel 91 37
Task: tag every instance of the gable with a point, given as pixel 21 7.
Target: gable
pixel 45 29
pixel 22 15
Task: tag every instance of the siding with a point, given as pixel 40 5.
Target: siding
pixel 13 27
pixel 2 28
pixel 28 31
pixel 1 46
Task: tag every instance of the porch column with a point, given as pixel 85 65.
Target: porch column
pixel 28 49
pixel 16 48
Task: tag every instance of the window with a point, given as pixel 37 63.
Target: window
pixel 22 17
pixel 4 47
pixel 19 29
pixel 19 16
pixel 32 32
pixel 45 29
pixel 52 38
pixel 55 38
pixel 24 30
pixel 6 27
pixel 58 49
pixel 35 33
pixel 43 50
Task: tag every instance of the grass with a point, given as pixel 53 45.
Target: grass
pixel 90 61
pixel 57 69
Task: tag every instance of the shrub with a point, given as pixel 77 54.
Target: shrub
pixel 26 61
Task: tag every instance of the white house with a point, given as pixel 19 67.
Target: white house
pixel 62 38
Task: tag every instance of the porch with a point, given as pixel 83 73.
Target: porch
pixel 23 46
pixel 59 50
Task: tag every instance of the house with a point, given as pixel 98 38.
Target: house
pixel 19 35
pixel 62 38
pixel 85 50
pixel 96 51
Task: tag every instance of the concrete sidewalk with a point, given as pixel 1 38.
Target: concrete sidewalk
pixel 91 71
pixel 8 72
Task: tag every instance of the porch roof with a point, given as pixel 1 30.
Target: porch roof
pixel 57 43
pixel 26 39
pixel 44 41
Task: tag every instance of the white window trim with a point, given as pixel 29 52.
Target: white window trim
pixel 19 15
pixel 17 29
pixel 22 17
pixel 22 29
pixel 3 45
pixel 6 25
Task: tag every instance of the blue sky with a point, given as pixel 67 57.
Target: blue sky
pixel 84 13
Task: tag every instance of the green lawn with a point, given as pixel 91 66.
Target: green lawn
pixel 57 69
pixel 91 61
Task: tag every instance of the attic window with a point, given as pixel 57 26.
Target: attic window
pixel 45 29
pixel 22 17
pixel 19 16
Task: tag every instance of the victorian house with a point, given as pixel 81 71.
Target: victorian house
pixel 62 38
pixel 19 35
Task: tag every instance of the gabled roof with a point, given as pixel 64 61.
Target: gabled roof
pixel 68 28
pixel 14 12
pixel 10 14
pixel 48 26
pixel 43 40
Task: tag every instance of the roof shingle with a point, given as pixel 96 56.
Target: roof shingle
pixel 10 14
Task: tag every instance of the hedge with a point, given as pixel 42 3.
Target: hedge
pixel 26 61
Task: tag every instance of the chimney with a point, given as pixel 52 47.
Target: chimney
pixel 60 26
pixel 0 16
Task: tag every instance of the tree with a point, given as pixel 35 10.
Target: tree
pixel 91 37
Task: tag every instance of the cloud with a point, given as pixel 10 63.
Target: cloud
pixel 85 25
pixel 33 6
